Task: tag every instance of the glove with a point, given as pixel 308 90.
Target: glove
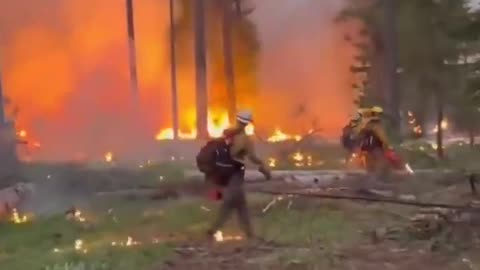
pixel 266 172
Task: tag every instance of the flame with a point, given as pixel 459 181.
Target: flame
pixel 272 162
pixel 167 134
pixel 279 136
pixel 108 157
pixel 22 133
pixel 443 124
pixel 218 121
pixel 298 157
pixel 130 242
pixel 219 237
pixel 78 244
pixel 250 130
pixel 68 82
pixel 416 128
pixel 78 216
pixel 16 218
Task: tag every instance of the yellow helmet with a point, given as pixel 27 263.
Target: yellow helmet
pixel 377 109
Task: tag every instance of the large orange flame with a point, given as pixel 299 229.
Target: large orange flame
pixel 65 71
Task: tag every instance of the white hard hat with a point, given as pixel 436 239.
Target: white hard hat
pixel 244 117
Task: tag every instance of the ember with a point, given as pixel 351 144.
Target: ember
pixel 272 162
pixel 78 216
pixel 16 218
pixel 279 136
pixel 217 123
pixel 75 214
pixel 416 128
pixel 79 246
pixel 22 133
pixel 302 160
pixel 128 243
pixel 444 126
pixel 109 157
pixel 220 238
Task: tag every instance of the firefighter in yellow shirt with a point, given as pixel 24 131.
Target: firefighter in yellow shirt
pixel 241 149
pixel 374 141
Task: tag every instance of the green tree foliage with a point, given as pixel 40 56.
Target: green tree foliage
pixel 433 37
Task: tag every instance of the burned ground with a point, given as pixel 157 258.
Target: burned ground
pixel 154 218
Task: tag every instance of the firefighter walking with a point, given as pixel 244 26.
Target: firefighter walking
pixel 241 148
pixel 374 143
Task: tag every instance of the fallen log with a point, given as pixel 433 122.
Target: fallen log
pixel 370 199
pixel 253 175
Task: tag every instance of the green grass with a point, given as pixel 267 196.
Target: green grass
pixel 31 245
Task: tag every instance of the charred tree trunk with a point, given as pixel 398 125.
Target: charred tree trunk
pixel 8 147
pixel 440 152
pixel 392 99
pixel 173 70
pixel 471 137
pixel 201 69
pixel 228 58
pixel 2 108
pixel 131 49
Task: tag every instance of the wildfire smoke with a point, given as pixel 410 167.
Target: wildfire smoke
pixel 65 72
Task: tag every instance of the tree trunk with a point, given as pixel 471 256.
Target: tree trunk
pixel 440 152
pixel 2 104
pixel 8 155
pixel 471 137
pixel 392 99
pixel 173 70
pixel 201 70
pixel 131 49
pixel 228 59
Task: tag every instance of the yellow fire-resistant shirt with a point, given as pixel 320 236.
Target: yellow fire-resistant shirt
pixel 243 149
pixel 375 125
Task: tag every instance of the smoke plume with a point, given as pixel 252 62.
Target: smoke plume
pixel 65 67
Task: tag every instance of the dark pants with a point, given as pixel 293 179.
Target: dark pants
pixel 377 164
pixel 234 199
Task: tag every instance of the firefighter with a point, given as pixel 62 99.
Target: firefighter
pixel 374 142
pixel 241 150
pixel 350 133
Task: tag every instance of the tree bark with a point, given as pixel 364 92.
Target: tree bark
pixel 228 59
pixel 201 70
pixel 471 137
pixel 8 156
pixel 391 64
pixel 440 152
pixel 173 70
pixel 2 108
pixel 131 49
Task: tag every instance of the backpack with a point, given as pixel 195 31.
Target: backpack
pixel 369 140
pixel 214 158
pixel 348 138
